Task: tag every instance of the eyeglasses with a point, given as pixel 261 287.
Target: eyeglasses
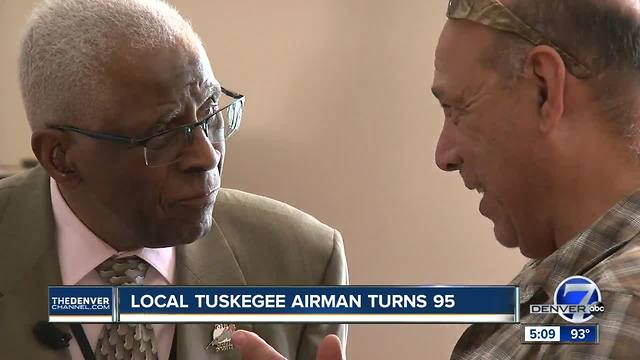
pixel 166 147
pixel 494 14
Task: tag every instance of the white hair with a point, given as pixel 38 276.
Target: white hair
pixel 67 44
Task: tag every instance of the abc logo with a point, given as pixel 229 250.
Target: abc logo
pixel 581 291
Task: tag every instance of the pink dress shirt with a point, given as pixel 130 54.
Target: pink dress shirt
pixel 80 251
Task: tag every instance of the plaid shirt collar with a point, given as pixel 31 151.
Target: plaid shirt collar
pixel 609 233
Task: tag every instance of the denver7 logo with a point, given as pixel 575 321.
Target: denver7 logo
pixel 580 291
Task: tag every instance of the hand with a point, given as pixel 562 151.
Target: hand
pixel 252 347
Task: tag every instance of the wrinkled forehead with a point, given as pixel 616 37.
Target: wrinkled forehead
pixel 142 85
pixel 460 53
pixel 165 72
pixel 462 43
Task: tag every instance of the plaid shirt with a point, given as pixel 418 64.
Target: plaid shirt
pixel 608 253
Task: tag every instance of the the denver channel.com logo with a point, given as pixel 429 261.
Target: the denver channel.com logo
pixel 577 299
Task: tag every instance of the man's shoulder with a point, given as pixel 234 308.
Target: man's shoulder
pixel 620 271
pixel 241 209
pixel 27 182
pixel 288 244
pixel 9 183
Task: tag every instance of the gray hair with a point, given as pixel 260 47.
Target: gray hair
pixel 67 44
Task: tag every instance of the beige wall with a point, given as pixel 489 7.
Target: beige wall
pixel 340 123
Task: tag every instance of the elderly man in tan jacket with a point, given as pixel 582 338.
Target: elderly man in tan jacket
pixel 129 126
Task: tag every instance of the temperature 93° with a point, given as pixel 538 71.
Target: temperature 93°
pixel 579 334
pixel 447 301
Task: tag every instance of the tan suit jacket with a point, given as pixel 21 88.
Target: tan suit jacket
pixel 253 241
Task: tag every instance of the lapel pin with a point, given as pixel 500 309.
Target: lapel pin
pixel 221 338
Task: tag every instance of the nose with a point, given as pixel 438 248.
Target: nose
pixel 447 155
pixel 201 155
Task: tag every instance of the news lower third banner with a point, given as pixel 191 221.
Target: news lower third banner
pixel 290 304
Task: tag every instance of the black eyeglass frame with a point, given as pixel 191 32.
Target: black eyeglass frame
pixel 187 128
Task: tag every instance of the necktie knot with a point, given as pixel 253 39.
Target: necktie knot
pixel 123 271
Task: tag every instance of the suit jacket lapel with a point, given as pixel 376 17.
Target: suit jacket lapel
pixel 30 263
pixel 208 261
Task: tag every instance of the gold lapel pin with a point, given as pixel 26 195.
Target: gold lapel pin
pixel 221 338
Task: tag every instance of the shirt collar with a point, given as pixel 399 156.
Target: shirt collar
pixel 80 251
pixel 609 233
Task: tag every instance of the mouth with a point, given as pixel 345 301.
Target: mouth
pixel 477 187
pixel 471 183
pixel 199 200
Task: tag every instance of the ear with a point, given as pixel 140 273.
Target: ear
pixel 548 71
pixel 51 147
